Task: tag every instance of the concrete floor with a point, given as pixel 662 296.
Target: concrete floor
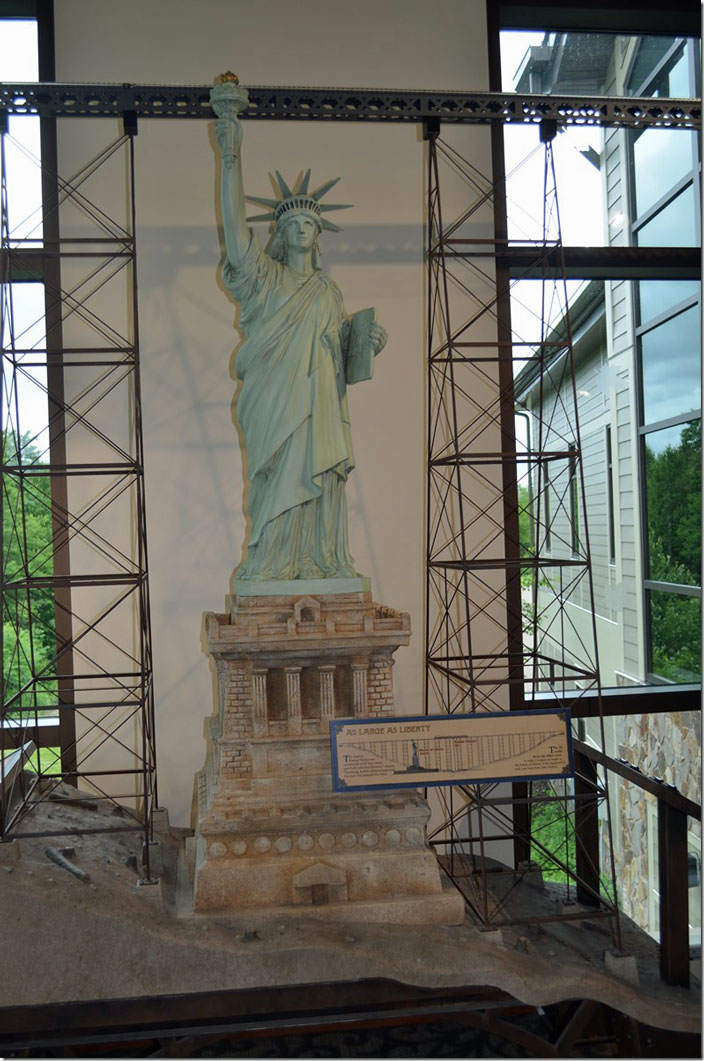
pixel 66 939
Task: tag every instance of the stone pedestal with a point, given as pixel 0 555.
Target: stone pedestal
pixel 272 836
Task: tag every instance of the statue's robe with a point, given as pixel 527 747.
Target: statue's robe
pixel 292 409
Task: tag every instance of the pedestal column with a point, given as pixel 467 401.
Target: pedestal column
pixel 293 700
pixel 259 702
pixel 327 695
pixel 359 689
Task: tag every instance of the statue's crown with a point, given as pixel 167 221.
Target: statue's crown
pixel 299 202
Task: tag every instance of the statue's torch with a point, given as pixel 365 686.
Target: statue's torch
pixel 228 99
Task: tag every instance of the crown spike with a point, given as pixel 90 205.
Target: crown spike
pixel 324 189
pixel 271 203
pixel 286 192
pixel 303 187
pixel 300 201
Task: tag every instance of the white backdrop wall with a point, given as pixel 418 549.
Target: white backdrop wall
pixel 196 526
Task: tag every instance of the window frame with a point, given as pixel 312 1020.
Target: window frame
pixel 644 326
pixel 692 176
pixel 59 732
pixel 625 18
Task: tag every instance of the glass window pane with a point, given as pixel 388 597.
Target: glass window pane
pixel 19 62
pixel 673 487
pixel 658 296
pixel 29 639
pixel 538 312
pixel 671 368
pixel 24 183
pixel 18 50
pixel 673 226
pixel 661 158
pixel 583 63
pixel 675 639
pixel 517 49
pixel 576 153
pixel 679 84
pixel 25 409
pixel 674 80
pixel 649 53
pixel 593 168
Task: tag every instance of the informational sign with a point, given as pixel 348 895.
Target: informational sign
pixel 418 750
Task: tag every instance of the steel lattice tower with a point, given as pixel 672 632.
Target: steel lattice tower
pixel 94 690
pixel 493 606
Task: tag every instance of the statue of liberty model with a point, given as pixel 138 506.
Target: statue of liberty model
pixel 299 353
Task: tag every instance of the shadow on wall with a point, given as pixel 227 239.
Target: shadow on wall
pixel 356 245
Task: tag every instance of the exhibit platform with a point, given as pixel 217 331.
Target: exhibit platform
pixel 136 952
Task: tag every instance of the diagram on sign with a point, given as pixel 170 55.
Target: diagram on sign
pixel 454 749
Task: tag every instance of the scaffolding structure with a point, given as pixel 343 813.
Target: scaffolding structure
pixel 497 605
pixel 77 700
pixel 492 606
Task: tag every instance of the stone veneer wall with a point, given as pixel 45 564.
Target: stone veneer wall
pixel 666 746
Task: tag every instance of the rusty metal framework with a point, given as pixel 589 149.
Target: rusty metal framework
pixel 494 610
pixel 77 698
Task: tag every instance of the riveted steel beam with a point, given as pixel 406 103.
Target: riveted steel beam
pixel 55 100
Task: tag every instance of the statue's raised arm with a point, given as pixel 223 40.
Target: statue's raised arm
pixel 229 137
pixel 295 364
pixel 227 100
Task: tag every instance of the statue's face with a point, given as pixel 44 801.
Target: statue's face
pixel 300 232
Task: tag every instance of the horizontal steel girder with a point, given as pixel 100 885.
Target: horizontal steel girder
pixel 53 100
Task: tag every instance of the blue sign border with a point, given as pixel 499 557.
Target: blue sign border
pixel 338 723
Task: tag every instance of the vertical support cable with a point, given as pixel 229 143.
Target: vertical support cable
pixel 585 545
pixel 509 473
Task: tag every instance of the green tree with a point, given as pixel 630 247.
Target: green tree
pixel 21 661
pixel 28 614
pixel 673 483
pixel 674 496
pixel 524 521
pixel 675 621
pixel 525 540
pixel 552 826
